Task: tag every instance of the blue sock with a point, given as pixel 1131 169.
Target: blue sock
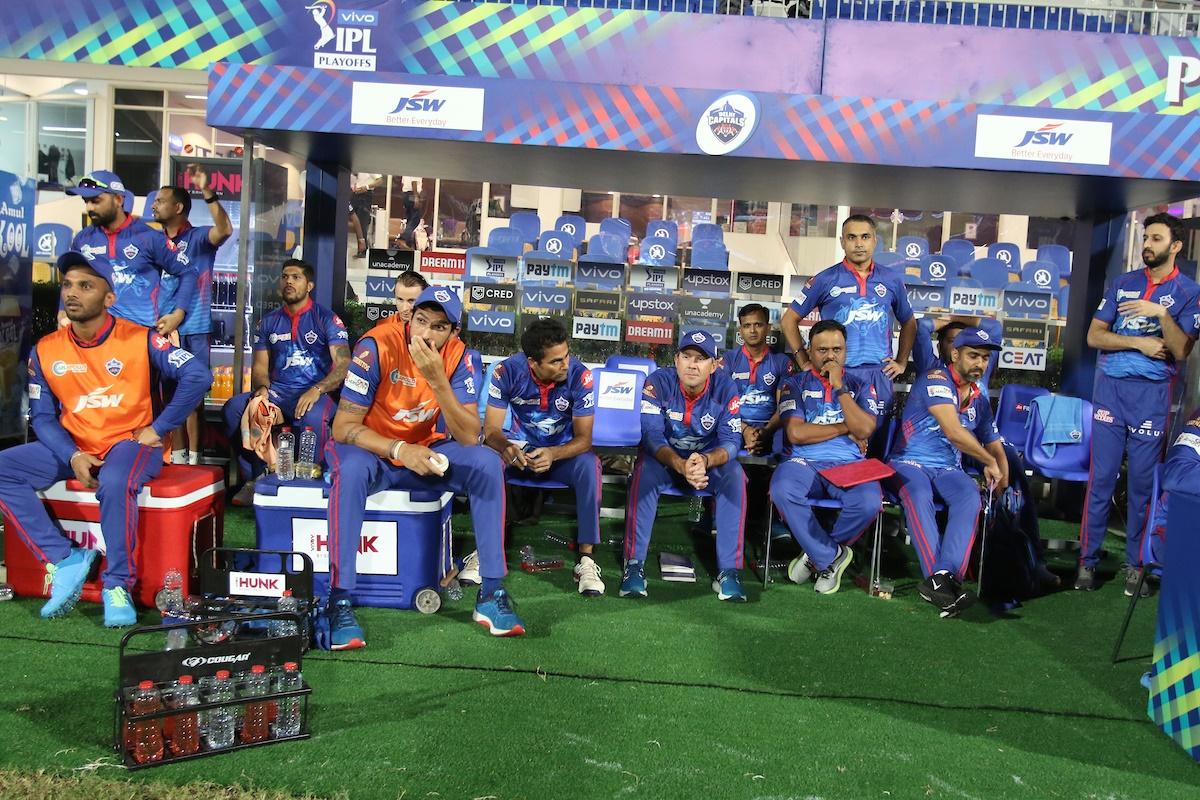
pixel 488 587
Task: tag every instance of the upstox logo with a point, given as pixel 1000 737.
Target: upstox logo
pixel 1046 135
pixel 423 100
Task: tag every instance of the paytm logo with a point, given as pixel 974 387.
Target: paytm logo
pixel 420 101
pixel 1181 71
pixel 1047 135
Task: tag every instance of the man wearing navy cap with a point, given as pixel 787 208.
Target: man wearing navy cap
pixel 691 434
pixel 138 254
pixel 946 417
pixel 91 408
pixel 409 420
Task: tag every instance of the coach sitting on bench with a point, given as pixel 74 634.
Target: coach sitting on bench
pixel 90 404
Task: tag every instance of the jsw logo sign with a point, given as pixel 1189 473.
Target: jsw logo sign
pixel 1046 135
pixel 619 389
pixel 420 101
pixel 422 413
pixel 123 278
pixel 97 398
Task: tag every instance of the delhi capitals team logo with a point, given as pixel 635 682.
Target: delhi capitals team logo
pixel 311 337
pixel 726 122
pixel 114 367
pixel 707 421
pixel 562 403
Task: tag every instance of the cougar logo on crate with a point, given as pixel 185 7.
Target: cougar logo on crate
pixel 206 661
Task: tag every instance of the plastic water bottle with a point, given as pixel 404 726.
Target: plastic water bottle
pixel 285 454
pixel 696 510
pixel 306 453
pixel 147 734
pixel 169 601
pixel 287 721
pixel 255 725
pixel 219 729
pixel 285 627
pixel 184 734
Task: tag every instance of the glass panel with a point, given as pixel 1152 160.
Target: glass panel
pixel 1050 230
pixel 595 206
pixel 189 136
pixel 639 209
pixel 137 148
pixel 412 203
pixel 458 202
pixel 14 145
pixel 138 97
pixel 194 98
pixel 500 200
pixel 62 144
pixel 687 211
pixel 809 220
pixel 750 216
pixel 982 229
pixel 724 216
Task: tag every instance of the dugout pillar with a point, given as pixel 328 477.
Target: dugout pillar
pixel 326 225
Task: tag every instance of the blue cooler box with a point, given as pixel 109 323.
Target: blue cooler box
pixel 405 537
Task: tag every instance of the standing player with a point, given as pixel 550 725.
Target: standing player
pixel 196 247
pixel 865 299
pixel 408 420
pixel 826 415
pixel 90 404
pixel 409 285
pixel 946 417
pixel 691 434
pixel 1144 329
pixel 758 374
pixel 301 351
pixel 138 255
pixel 550 393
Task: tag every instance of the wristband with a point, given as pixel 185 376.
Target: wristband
pixel 705 457
pixel 395 449
pixel 72 458
pixel 841 392
pixel 216 197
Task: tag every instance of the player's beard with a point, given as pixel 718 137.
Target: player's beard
pixel 1155 260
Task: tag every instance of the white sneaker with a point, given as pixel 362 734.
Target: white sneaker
pixel 193 457
pixel 587 573
pixel 469 574
pixel 179 456
pixel 830 579
pixel 800 570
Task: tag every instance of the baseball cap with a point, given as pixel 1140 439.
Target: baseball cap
pixel 445 298
pixel 99 263
pixel 976 337
pixel 700 339
pixel 99 182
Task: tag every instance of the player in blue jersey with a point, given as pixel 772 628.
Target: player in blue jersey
pixel 138 254
pixel 1180 472
pixel 301 352
pixel 758 374
pixel 691 434
pixel 197 247
pixel 866 299
pixel 1144 329
pixel 946 417
pixel 827 419
pixel 550 394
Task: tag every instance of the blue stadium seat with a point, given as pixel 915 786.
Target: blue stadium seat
pixel 1007 252
pixel 937 269
pixel 618 418
pixel 992 273
pixel 1043 274
pixel 631 363
pixel 1070 461
pixel 709 254
pixel 912 248
pixel 657 252
pixel 1064 301
pixel 607 248
pixel 506 242
pixel 707 231
pixel 528 224
pixel 961 250
pixel 555 244
pixel 617 226
pixel 887 258
pixel 659 228
pixel 573 226
pixel 1056 254
pixel 1012 412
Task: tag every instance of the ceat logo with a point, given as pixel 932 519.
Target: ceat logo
pixel 97 398
pixel 420 101
pixel 1048 134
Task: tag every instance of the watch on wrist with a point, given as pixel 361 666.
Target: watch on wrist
pixel 212 198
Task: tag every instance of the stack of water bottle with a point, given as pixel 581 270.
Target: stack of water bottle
pixel 297 459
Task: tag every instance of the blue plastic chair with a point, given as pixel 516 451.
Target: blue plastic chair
pixel 631 364
pixel 961 250
pixel 659 252
pixel 1064 301
pixel 618 404
pixel 887 258
pixel 555 244
pixel 937 269
pixel 709 254
pixel 506 242
pixel 1070 461
pixel 992 273
pixel 483 391
pixel 605 248
pixel 1007 252
pixel 707 231
pixel 528 224
pixel 573 227
pixel 617 226
pixel 1012 412
pixel 912 248
pixel 662 228
pixel 1056 254
pixel 1043 274
pixel 51 240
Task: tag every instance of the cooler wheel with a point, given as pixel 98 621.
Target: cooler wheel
pixel 428 601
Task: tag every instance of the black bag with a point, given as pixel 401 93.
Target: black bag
pixel 1009 559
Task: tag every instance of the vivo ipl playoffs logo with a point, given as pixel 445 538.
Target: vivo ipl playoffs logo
pixel 727 123
pixel 349 30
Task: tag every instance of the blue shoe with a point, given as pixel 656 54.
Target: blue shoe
pixel 728 586
pixel 344 630
pixel 66 581
pixel 633 582
pixel 496 614
pixel 118 608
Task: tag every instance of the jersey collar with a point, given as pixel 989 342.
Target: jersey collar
pixel 862 281
pixel 824 382
pixel 544 389
pixel 129 218
pixel 754 365
pixel 171 240
pixel 958 384
pixel 308 303
pixel 101 334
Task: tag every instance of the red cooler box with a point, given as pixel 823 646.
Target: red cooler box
pixel 404 546
pixel 181 513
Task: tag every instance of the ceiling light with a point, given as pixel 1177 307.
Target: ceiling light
pixel 196 96
pixel 58 129
pixel 81 92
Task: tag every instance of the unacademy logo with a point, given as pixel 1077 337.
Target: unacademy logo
pixel 420 101
pixel 1046 135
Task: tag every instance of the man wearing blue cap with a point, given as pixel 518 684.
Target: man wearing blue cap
pixel 691 434
pixel 138 255
pixel 90 404
pixel 946 417
pixel 409 420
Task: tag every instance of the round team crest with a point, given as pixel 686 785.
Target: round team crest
pixel 699 338
pixel 114 367
pixel 727 123
pixel 442 296
pixel 984 335
pixel 562 403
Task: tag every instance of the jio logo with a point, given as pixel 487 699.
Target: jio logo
pixel 912 250
pixel 1042 277
pixel 937 269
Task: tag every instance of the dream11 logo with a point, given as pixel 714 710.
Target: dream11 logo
pixel 349 31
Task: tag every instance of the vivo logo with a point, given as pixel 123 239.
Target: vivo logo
pixel 545 298
pixel 601 273
pixel 354 17
pixel 491 321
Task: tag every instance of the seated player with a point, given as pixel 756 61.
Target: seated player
pixel 946 417
pixel 91 408
pixel 408 420
pixel 924 359
pixel 691 434
pixel 826 415
pixel 758 374
pixel 550 393
pixel 301 351
pixel 1180 472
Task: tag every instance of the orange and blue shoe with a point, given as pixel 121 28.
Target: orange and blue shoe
pixel 344 630
pixel 497 615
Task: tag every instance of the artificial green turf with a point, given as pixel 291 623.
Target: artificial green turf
pixel 678 695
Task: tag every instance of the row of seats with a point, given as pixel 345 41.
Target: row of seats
pixel 996 15
pixel 1029 301
pixel 990 272
pixel 912 249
